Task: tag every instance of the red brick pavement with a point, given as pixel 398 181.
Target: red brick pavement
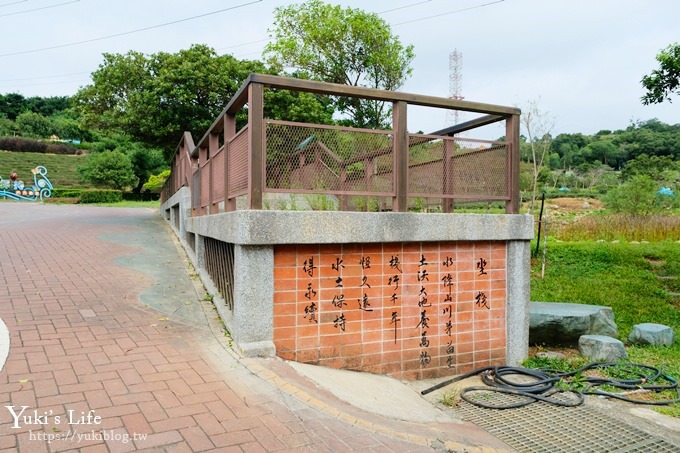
pixel 82 342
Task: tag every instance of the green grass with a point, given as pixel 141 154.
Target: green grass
pixel 623 276
pixel 61 168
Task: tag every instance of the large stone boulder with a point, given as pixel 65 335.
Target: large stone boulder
pixel 650 333
pixel 555 323
pixel 601 348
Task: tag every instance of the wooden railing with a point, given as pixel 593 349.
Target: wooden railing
pixel 395 168
pixel 182 168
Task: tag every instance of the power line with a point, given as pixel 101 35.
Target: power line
pixel 243 44
pixel 56 5
pixel 115 35
pixel 449 13
pixel 12 3
pixel 403 7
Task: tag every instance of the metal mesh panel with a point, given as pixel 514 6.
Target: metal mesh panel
pixel 541 427
pixel 238 163
pixel 457 168
pixel 328 159
pixel 219 263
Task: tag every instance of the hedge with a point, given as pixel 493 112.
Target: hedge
pixel 19 144
pixel 101 196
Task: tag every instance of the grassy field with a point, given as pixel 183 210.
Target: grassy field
pixel 61 169
pixel 626 277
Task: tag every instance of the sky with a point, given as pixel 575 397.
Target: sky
pixel 579 61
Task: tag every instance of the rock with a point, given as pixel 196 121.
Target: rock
pixel 650 333
pixel 601 348
pixel 564 323
pixel 615 241
pixel 551 355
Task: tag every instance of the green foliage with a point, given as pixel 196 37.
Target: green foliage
pixel 101 196
pixel 32 124
pixel 67 193
pixel 637 196
pixel 13 104
pixel 341 45
pixel 662 169
pixel 155 98
pixel 155 182
pixel 665 81
pixel 109 169
pixel 298 106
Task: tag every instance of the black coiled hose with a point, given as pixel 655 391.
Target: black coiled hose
pixel 542 384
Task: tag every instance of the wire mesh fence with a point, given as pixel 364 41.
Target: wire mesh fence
pixel 312 158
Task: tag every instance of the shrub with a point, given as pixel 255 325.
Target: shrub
pixel 636 196
pixel 110 169
pixel 101 196
pixel 66 193
pixel 20 144
pixel 155 182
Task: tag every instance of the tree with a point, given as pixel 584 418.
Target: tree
pixel 109 169
pixel 665 81
pixel 537 126
pixel 662 169
pixel 341 45
pixel 34 125
pixel 145 161
pixel 637 196
pixel 155 98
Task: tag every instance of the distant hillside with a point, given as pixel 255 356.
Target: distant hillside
pixel 61 169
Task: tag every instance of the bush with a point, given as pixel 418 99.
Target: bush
pixel 155 182
pixel 20 144
pixel 66 193
pixel 110 169
pixel 144 196
pixel 101 196
pixel 637 196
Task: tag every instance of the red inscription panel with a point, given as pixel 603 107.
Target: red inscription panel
pixel 411 310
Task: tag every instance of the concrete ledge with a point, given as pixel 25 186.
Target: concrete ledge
pixel 324 227
pixel 182 195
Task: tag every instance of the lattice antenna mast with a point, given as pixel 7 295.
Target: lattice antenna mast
pixel 455 83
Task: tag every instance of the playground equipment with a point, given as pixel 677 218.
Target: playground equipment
pixel 16 189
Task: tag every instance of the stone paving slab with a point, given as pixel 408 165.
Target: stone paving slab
pixel 100 369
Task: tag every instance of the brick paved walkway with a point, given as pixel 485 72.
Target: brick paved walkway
pixel 82 343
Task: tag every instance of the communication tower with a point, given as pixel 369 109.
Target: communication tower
pixel 455 84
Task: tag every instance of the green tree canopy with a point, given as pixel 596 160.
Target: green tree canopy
pixel 341 45
pixel 665 81
pixel 155 98
pixel 109 169
pixel 13 104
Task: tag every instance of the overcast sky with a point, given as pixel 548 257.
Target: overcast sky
pixel 581 60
